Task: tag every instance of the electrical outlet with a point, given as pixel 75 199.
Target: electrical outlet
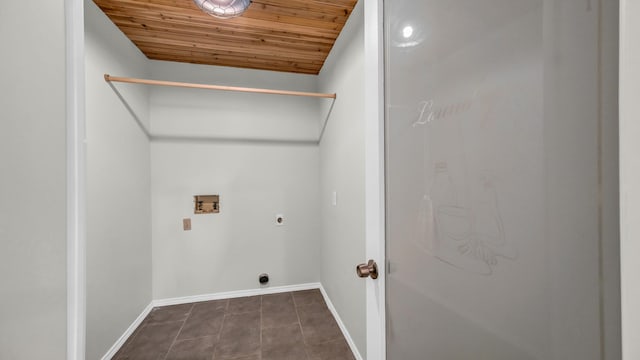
pixel 186 224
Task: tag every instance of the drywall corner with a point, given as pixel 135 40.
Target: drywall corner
pixel 118 185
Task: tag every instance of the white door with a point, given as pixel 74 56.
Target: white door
pixel 501 173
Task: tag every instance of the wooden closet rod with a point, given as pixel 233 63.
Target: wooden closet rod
pixel 110 78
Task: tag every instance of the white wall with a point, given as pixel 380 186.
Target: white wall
pixel 342 161
pixel 260 157
pixel 224 115
pixel 32 181
pixel 630 176
pixel 118 185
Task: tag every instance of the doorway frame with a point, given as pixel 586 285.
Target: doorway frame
pixel 76 170
pixel 375 176
pixel 629 75
pixel 76 187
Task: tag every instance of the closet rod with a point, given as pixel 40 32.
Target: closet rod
pixel 110 78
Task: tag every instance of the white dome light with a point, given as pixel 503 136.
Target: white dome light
pixel 407 31
pixel 223 9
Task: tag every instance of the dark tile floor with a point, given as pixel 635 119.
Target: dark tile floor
pixel 287 326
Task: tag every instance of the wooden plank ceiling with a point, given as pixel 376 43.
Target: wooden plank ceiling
pixel 282 35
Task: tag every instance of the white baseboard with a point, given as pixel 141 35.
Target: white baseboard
pixel 230 295
pixel 235 294
pixel 341 324
pixel 118 344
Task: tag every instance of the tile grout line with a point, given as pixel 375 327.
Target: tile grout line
pixel 304 338
pixel 261 302
pixel 197 337
pixel 178 334
pixel 224 317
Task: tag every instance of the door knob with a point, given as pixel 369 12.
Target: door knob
pixel 369 269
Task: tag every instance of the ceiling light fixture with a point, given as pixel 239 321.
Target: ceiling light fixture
pixel 407 31
pixel 223 9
